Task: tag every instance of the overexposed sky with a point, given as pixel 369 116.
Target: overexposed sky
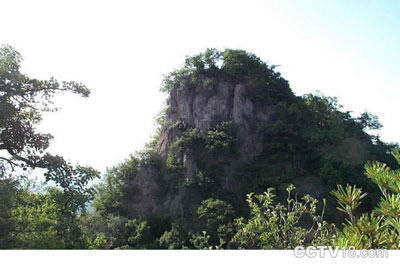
pixel 121 49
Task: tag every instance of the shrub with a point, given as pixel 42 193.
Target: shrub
pixel 277 226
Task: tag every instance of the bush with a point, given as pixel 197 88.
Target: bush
pixel 277 226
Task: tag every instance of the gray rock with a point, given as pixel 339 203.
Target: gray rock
pixel 201 107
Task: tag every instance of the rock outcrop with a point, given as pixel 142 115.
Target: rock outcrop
pixel 200 107
pixel 233 126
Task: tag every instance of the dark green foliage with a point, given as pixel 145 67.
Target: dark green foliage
pixel 237 66
pixel 369 121
pixel 215 141
pixel 176 238
pixel 114 192
pixel 217 221
pixel 211 151
pixel 139 233
pixel 8 197
pixel 313 137
pixel 103 231
pixel 215 212
pixel 107 231
pixel 200 240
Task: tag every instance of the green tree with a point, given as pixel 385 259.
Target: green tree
pixel 103 231
pixel 46 221
pixel 217 217
pixel 139 234
pixel 176 238
pixel 23 100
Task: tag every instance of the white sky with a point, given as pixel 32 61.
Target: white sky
pixel 121 49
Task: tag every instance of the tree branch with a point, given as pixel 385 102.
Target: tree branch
pixel 13 164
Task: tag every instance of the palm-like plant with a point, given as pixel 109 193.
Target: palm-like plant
pixel 381 228
pixel 349 198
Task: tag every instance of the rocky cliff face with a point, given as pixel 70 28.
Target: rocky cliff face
pixel 199 107
pixel 203 108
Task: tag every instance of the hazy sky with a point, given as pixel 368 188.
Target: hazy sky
pixel 121 49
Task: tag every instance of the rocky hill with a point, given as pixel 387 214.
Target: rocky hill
pixel 233 126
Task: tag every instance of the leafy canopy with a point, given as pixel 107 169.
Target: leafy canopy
pixel 22 102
